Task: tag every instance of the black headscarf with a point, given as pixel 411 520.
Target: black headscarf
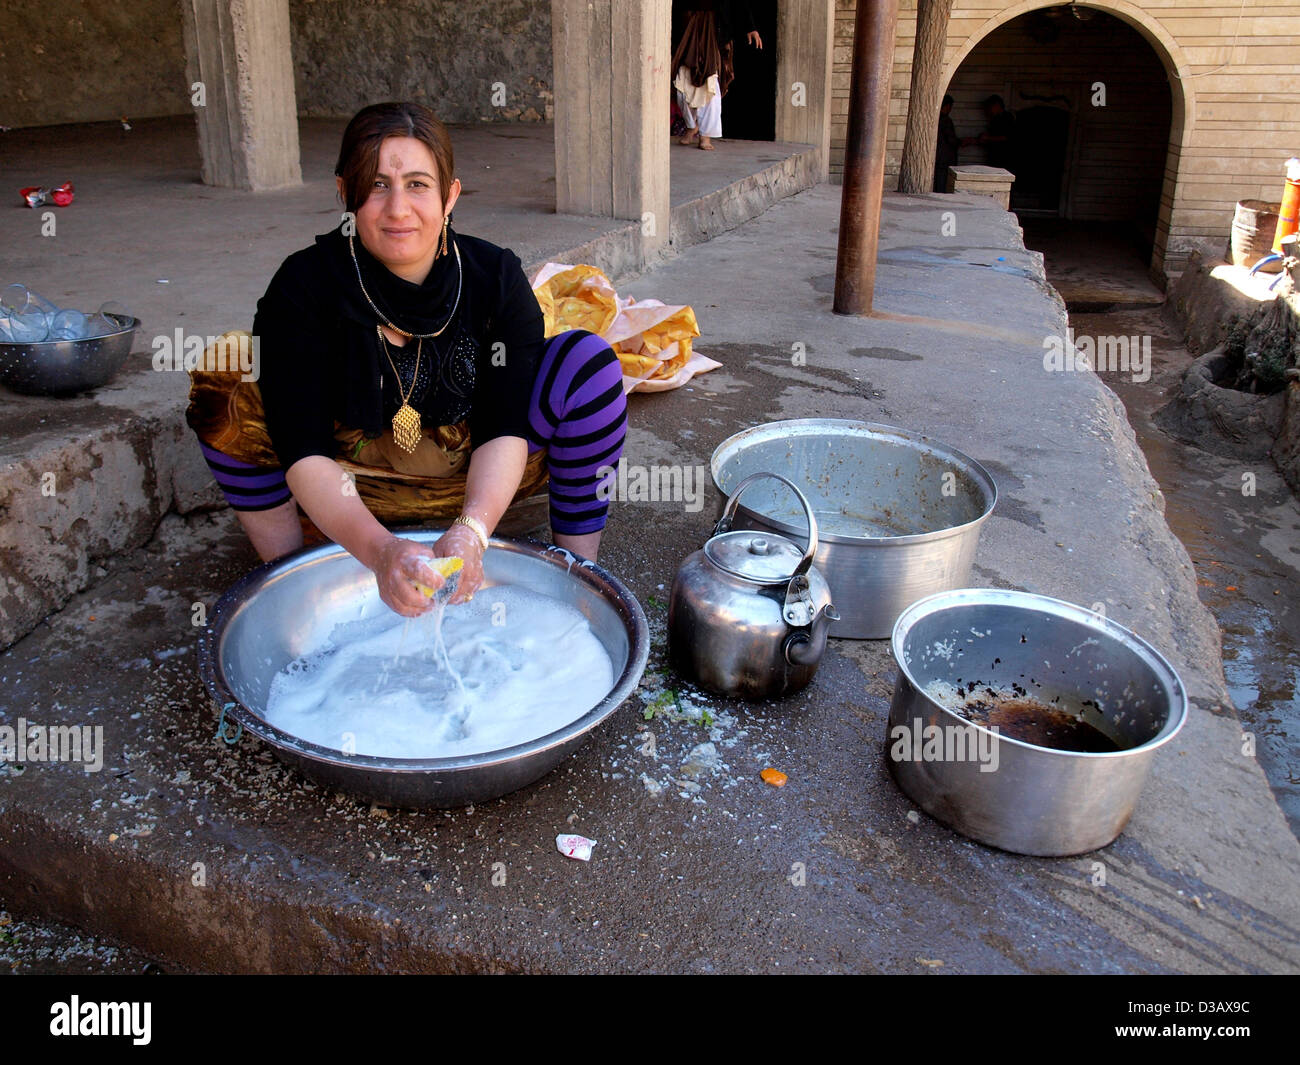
pixel 415 308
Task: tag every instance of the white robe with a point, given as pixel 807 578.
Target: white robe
pixel 700 105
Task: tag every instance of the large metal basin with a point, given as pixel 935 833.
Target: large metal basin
pixel 1035 800
pixel 898 514
pixel 62 367
pixel 280 610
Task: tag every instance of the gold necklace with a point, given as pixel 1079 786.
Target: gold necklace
pixel 406 422
pixel 460 277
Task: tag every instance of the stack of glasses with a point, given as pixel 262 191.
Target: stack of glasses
pixel 27 317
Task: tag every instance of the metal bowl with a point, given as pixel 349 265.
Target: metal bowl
pixel 277 612
pixel 899 514
pixel 61 367
pixel 1035 799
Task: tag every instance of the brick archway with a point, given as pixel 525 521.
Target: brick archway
pixel 1182 93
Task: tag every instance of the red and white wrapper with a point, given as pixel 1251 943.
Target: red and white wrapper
pixel 37 196
pixel 578 847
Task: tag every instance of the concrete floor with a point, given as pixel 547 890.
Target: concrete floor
pixel 296 878
pixel 143 229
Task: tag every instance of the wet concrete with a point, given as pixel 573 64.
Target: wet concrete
pixel 1241 526
pixel 220 858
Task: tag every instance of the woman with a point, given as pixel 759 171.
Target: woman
pixel 408 348
pixel 703 64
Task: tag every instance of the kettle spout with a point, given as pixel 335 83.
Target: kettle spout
pixel 804 648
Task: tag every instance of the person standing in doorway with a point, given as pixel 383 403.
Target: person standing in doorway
pixel 945 149
pixel 703 64
pixel 998 139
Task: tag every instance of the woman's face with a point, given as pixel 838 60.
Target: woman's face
pixel 400 223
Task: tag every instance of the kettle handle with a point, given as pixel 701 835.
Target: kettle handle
pixel 729 511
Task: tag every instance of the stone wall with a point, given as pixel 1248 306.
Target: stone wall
pixel 447 55
pixel 95 60
pixel 90 60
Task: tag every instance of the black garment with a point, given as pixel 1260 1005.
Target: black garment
pixel 1001 153
pixel 735 20
pixel 320 353
pixel 945 152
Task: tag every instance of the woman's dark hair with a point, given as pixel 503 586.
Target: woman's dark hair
pixel 370 127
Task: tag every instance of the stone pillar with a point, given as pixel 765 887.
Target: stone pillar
pixel 611 110
pixel 804 51
pixel 238 51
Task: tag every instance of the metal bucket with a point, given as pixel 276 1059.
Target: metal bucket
pixel 1253 225
pixel 279 611
pixel 1034 799
pixel 899 514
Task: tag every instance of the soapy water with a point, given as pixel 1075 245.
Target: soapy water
pixel 511 666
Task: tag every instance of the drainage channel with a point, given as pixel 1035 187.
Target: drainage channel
pixel 1241 526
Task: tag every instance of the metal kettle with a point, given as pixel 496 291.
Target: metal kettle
pixel 749 612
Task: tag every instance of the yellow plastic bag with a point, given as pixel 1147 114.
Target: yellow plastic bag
pixel 652 340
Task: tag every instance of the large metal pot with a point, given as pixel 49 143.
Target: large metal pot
pixel 277 612
pixel 1013 794
pixel 899 514
pixel 748 614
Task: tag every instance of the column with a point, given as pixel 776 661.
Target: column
pixel 238 54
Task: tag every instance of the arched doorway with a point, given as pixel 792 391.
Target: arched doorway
pixel 1097 124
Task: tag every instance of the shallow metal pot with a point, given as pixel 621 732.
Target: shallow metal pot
pixel 60 367
pixel 1037 800
pixel 899 514
pixel 274 614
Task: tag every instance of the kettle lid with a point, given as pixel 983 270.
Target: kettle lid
pixel 762 557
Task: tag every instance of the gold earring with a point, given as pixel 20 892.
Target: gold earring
pixel 444 235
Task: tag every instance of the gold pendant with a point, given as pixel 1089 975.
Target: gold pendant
pixel 406 428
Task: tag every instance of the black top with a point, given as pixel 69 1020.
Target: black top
pixel 1002 153
pixel 321 360
pixel 735 20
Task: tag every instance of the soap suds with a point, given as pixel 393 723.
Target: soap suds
pixel 509 667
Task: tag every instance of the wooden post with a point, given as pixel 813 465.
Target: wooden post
pixel 917 172
pixel 864 155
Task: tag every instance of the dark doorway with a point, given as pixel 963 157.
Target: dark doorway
pixel 1093 110
pixel 1043 136
pixel 749 108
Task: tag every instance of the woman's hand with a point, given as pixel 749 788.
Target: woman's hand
pixel 460 542
pixel 398 566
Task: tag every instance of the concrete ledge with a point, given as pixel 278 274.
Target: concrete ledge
pixel 81 482
pixel 703 218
